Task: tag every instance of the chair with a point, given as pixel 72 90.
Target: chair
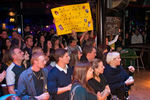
pixel 140 57
pixel 131 56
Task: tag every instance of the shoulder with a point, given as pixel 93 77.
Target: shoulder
pixel 70 67
pixel 107 67
pixel 101 76
pixel 26 72
pixel 45 70
pixel 78 88
pixel 91 81
pixel 10 67
pixel 53 72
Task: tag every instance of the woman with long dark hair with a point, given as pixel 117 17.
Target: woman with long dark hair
pixel 80 89
pixel 98 82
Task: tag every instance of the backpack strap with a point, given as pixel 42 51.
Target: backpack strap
pixel 73 91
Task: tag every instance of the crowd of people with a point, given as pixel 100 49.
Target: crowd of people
pixel 45 66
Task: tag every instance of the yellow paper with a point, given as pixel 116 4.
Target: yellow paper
pixel 73 17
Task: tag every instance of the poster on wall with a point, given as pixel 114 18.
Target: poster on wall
pixel 112 25
pixel 72 17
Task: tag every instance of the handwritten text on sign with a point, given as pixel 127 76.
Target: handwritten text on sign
pixel 73 17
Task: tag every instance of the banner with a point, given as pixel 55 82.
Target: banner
pixel 73 17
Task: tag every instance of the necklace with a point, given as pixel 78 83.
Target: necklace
pixel 38 76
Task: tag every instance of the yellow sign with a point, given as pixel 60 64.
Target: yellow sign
pixel 73 17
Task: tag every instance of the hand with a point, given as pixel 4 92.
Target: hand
pixel 68 87
pixel 107 88
pixel 106 91
pixel 85 32
pixel 73 31
pixel 74 34
pixel 129 81
pixel 99 97
pixel 54 21
pixel 2 75
pixel 131 69
pixel 44 96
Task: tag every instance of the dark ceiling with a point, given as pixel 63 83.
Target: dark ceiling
pixel 36 7
pixel 41 8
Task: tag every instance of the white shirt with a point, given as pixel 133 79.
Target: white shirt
pixel 135 39
pixel 61 69
pixel 113 41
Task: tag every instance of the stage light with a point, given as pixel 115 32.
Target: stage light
pixel 11 13
pixel 12 19
pixel 3 26
pixel 19 30
pixel 47 26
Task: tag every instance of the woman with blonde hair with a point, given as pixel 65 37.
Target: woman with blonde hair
pixel 118 80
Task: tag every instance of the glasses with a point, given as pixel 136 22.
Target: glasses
pixel 19 52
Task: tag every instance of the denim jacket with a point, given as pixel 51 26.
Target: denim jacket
pixel 26 88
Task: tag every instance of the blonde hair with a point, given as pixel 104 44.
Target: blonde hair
pixel 35 56
pixel 111 55
pixel 37 49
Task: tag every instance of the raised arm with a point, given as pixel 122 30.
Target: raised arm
pixel 74 34
pixel 114 40
pixel 92 34
pixel 82 37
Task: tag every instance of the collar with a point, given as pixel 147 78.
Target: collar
pixel 17 65
pixel 61 69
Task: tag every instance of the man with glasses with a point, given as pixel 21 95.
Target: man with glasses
pixel 15 69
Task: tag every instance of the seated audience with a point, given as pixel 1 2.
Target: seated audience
pixel 80 89
pixel 89 53
pixel 117 78
pixel 15 69
pixel 59 77
pixel 33 81
pixel 98 82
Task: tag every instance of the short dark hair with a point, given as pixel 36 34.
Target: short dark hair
pixel 71 39
pixel 59 53
pixel 27 37
pixel 11 51
pixel 87 49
